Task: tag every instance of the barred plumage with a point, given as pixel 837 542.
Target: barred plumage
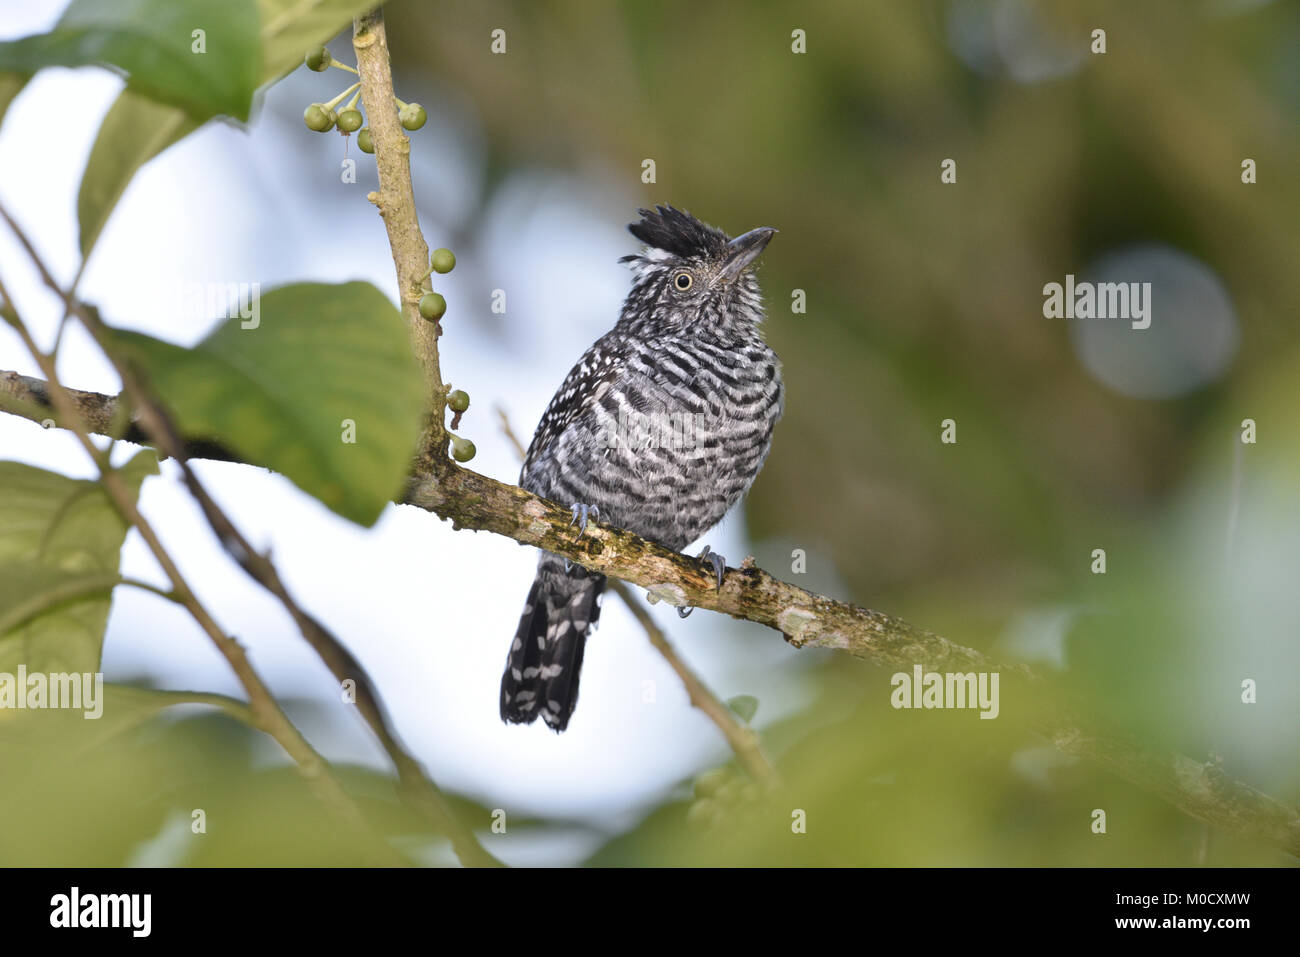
pixel 687 358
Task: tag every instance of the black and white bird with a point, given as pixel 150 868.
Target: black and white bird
pixel 660 428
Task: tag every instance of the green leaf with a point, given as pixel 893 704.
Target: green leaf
pixel 130 758
pixel 29 591
pixel 745 705
pixel 60 540
pixel 280 394
pixel 153 42
pixel 137 128
pixel 108 711
pixel 292 27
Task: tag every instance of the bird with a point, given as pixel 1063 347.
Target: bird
pixel 660 428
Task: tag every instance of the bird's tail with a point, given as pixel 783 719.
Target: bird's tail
pixel 545 659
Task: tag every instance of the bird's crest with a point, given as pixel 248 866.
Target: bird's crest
pixel 678 232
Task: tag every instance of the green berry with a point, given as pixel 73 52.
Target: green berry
pixel 443 260
pixel 350 121
pixel 432 306
pixel 364 141
pixel 462 450
pixel 711 782
pixel 317 118
pixel 704 813
pixel 730 793
pixel 412 116
pixel 318 59
pixel 458 401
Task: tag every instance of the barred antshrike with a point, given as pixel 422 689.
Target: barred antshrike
pixel 686 357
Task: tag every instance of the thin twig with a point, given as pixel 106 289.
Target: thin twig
pixel 520 451
pixel 743 739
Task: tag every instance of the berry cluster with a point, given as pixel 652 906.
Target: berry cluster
pixel 433 307
pixel 323 117
pixel 720 794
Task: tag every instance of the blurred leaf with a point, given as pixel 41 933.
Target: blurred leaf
pixel 135 130
pixel 292 27
pixel 11 84
pixel 867 785
pixel 60 540
pixel 88 791
pixel 94 791
pixel 29 591
pixel 124 789
pixel 151 41
pixel 745 705
pixel 279 394
pixel 126 707
pixel 271 818
pixel 138 128
pixel 109 711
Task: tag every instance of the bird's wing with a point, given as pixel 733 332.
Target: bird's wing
pixel 574 400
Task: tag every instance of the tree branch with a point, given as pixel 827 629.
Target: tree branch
pixel 395 200
pixel 807 620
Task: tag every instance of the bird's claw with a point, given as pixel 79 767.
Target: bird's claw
pixel 580 516
pixel 719 568
pixel 717 561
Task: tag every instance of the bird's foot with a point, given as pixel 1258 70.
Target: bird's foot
pixel 717 561
pixel 580 515
pixel 719 568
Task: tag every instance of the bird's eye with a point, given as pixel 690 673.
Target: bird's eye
pixel 683 281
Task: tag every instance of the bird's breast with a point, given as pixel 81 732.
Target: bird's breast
pixel 693 427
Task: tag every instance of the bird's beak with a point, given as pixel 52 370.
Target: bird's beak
pixel 743 250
